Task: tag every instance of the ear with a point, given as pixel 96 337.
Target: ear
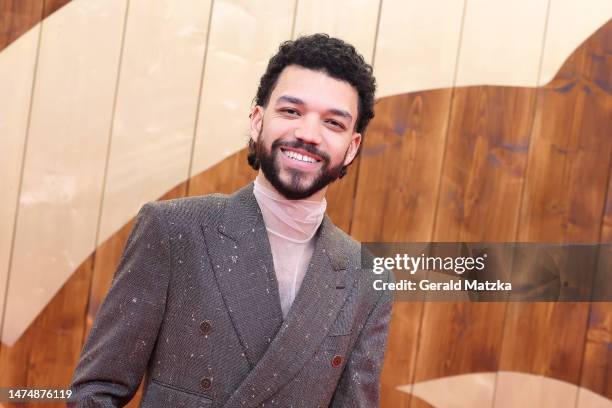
pixel 256 122
pixel 353 148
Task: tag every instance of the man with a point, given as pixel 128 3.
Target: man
pixel 254 299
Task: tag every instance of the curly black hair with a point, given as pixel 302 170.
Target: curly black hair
pixel 320 52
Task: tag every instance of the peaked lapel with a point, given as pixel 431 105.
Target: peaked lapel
pixel 322 293
pixel 241 258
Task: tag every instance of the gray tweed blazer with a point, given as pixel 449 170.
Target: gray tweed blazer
pixel 194 306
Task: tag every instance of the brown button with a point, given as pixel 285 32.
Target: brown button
pixel 206 383
pixel 205 327
pixel 336 361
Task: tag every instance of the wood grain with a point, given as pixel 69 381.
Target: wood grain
pixel 563 201
pixel 480 192
pixel 596 371
pixel 17 17
pixel 341 196
pixel 17 74
pixel 48 351
pixel 225 177
pixel 484 165
pixel 400 167
pixel 395 201
pixel 46 354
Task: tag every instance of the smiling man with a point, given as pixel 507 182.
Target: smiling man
pixel 308 136
pixel 254 299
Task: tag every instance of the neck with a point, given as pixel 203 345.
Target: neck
pixel 294 220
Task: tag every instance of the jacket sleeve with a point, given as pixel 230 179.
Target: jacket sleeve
pixel 121 340
pixel 359 385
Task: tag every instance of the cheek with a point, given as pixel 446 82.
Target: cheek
pixel 337 150
pixel 275 129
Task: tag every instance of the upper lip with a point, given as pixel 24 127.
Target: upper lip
pixel 303 152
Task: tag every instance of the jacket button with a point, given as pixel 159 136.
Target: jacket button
pixel 206 327
pixel 336 361
pixel 206 383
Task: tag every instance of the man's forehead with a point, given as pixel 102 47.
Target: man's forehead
pixel 315 88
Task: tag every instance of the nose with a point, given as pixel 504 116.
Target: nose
pixel 309 130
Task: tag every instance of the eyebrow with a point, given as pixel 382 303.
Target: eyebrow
pixel 298 101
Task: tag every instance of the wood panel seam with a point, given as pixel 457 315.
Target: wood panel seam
pixel 106 165
pixel 438 200
pixel 199 101
pixel 586 332
pixel 358 164
pixel 21 172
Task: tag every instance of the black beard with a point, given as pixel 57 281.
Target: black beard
pixel 294 190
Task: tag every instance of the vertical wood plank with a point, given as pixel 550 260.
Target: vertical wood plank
pixel 154 122
pixel 59 198
pixel 563 201
pixel 479 200
pixel 596 371
pixel 400 167
pixel 493 51
pixel 479 196
pixel 156 107
pixel 399 170
pixel 484 166
pixel 417 45
pixel 357 27
pixel 59 202
pixel 235 60
pixel 17 67
pixel 396 189
pixel 16 18
pixel 340 197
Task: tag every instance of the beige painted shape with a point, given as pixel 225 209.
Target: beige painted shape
pixel 417 45
pixel 16 75
pixel 243 36
pixel 514 390
pixel 156 109
pixel 522 390
pixel 353 21
pixel 589 399
pixel 66 153
pixel 458 391
pixel 570 23
pixel 501 42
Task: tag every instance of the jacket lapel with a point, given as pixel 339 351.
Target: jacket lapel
pixel 319 299
pixel 241 258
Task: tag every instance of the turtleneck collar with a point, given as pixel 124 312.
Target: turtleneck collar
pixel 294 220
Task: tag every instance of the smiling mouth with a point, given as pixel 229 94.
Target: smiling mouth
pixel 299 157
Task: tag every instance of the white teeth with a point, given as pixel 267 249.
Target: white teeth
pixel 300 157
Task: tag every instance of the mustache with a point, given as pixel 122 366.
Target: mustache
pixel 298 144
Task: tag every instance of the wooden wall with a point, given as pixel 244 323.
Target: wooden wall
pixel 478 163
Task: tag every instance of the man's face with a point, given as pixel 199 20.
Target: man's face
pixel 305 134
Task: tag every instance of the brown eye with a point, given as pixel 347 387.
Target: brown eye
pixel 335 124
pixel 290 111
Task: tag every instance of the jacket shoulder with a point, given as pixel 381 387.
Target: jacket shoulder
pixel 205 209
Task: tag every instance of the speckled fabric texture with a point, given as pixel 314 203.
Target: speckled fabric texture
pixel 194 306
